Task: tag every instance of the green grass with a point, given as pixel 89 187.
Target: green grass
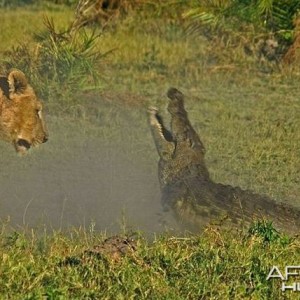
pixel 19 24
pixel 249 122
pixel 215 265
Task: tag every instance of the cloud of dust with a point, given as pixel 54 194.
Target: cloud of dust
pixel 84 175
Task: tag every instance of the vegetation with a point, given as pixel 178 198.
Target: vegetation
pixel 58 61
pixel 215 265
pixel 274 16
pixel 245 108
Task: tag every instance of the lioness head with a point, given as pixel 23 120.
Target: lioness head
pixel 21 116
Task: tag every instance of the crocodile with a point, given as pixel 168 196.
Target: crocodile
pixel 187 189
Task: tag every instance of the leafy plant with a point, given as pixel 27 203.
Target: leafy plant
pixel 275 16
pixel 265 230
pixel 60 60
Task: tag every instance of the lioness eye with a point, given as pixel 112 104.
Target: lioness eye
pixel 39 113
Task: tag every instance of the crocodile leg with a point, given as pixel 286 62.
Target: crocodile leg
pixel 162 137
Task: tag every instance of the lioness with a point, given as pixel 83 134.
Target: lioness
pixel 21 117
pixel 187 188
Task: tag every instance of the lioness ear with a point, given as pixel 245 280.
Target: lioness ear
pixel 17 82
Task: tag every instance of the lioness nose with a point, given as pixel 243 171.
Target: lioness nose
pixel 45 139
pixel 23 143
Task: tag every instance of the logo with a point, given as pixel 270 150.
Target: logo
pixel 290 274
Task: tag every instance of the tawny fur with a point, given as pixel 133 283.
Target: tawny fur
pixel 21 116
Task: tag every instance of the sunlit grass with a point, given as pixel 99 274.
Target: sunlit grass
pixel 19 25
pixel 213 265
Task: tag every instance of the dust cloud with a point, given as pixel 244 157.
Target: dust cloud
pixel 98 171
